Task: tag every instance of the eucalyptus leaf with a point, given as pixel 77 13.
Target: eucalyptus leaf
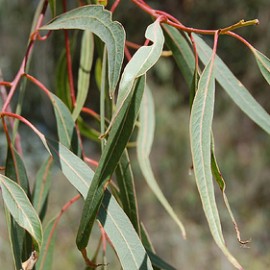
pixel 86 59
pixel 263 63
pixel 144 144
pixel 118 227
pixel 234 88
pixel 117 141
pixel 97 20
pixel 21 208
pixel 200 136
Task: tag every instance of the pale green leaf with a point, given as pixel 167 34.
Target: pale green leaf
pixel 21 208
pixel 45 259
pixel 144 144
pixel 263 63
pixel 118 227
pixel 200 133
pixel 97 20
pixel 140 63
pixel 235 88
pixel 42 186
pixel 87 50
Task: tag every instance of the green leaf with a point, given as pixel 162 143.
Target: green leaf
pixel 144 144
pixel 263 63
pixel 52 4
pixel 66 130
pixel 87 50
pixel 118 227
pixel 158 262
pixel 182 53
pixel 97 20
pixel 42 186
pixel 125 182
pixel 140 63
pixel 200 133
pixel 21 208
pixel 46 252
pixel 235 88
pixel 117 141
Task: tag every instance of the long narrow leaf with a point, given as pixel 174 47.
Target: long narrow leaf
pixel 117 141
pixel 118 227
pixel 200 132
pixel 97 20
pixel 144 144
pixel 87 50
pixel 125 182
pixel 21 208
pixel 235 88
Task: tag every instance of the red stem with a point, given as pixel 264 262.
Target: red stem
pixel 63 210
pixel 69 61
pixel 114 6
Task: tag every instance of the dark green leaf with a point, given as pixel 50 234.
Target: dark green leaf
pixel 117 141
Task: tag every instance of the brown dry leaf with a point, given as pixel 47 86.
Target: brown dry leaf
pixel 30 263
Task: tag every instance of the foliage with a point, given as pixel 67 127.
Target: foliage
pixel 126 117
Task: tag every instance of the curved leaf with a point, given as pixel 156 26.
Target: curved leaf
pixel 118 227
pixel 21 208
pixel 200 133
pixel 144 144
pixel 234 87
pixel 140 63
pixel 97 20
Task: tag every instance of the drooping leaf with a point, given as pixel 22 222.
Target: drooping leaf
pixel 200 133
pixel 66 130
pixel 118 227
pixel 117 141
pixel 97 20
pixel 263 63
pixel 87 50
pixel 144 144
pixel 181 51
pixel 46 252
pixel 235 88
pixel 42 186
pixel 140 63
pixel 125 182
pixel 21 208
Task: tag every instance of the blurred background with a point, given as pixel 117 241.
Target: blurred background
pixel 242 148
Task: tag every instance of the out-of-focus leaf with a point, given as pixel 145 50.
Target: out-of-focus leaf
pixel 235 88
pixel 87 50
pixel 42 186
pixel 144 144
pixel 118 227
pixel 200 133
pixel 46 252
pixel 21 208
pixel 158 262
pixel 117 141
pixel 52 4
pixel 263 63
pixel 125 182
pixel 140 63
pixel 97 20
pixel 181 51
